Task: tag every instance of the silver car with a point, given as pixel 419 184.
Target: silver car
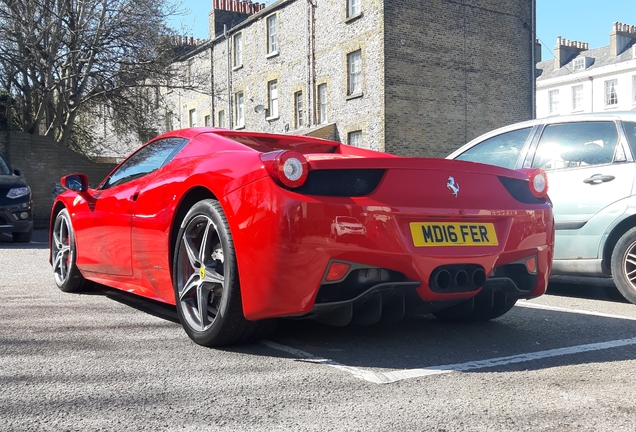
pixel 590 160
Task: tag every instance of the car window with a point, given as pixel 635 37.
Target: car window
pixel 630 131
pixel 501 150
pixel 146 160
pixel 570 145
pixel 4 168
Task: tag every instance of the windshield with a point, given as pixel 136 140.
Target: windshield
pixel 4 168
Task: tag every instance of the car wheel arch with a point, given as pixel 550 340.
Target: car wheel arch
pixel 57 208
pixel 190 198
pixel 610 243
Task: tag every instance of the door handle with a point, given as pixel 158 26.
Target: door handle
pixel 598 179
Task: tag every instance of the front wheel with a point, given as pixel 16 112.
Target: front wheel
pixel 67 276
pixel 206 283
pixel 624 265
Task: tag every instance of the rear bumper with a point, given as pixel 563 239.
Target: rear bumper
pixel 285 246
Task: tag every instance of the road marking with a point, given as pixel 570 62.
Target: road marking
pixel 399 375
pixel 576 311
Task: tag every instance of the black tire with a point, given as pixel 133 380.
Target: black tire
pixel 22 237
pixel 483 307
pixel 68 278
pixel 205 274
pixel 624 265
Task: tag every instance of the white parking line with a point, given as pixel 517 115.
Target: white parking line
pixel 399 375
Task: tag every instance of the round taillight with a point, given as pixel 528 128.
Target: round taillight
pixel 291 168
pixel 538 183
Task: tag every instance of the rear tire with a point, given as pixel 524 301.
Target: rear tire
pixel 483 307
pixel 624 265
pixel 206 283
pixel 22 237
pixel 67 276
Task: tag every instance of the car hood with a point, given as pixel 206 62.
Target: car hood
pixel 11 181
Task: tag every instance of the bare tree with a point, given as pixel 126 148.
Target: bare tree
pixel 62 58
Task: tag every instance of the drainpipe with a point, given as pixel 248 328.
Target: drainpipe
pixel 212 114
pixel 230 113
pixel 311 62
pixel 533 66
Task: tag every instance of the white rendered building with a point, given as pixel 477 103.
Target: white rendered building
pixel 582 80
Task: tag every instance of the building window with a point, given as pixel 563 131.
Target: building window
pixel 322 103
pixel 298 109
pixel 355 138
pixel 239 101
pixel 553 97
pixel 611 94
pixel 272 93
pixel 206 121
pixel 222 119
pixel 354 61
pixel 579 63
pixel 634 89
pixel 238 49
pixel 192 116
pixel 353 7
pixel 272 45
pixel 577 97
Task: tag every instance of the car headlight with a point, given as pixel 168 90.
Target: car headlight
pixel 18 192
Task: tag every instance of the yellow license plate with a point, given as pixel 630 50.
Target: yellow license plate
pixel 453 234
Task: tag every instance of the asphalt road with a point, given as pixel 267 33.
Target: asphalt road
pixel 107 360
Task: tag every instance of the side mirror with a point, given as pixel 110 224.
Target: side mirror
pixel 75 182
pixel 17 172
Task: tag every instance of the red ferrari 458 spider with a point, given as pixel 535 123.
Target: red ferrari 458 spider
pixel 237 228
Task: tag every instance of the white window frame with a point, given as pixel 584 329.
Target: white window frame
pixel 634 88
pixel 238 49
pixel 298 109
pixel 239 101
pixel 272 38
pixel 207 120
pixel 354 138
pixel 553 101
pixel 578 63
pixel 577 97
pixel 611 93
pixel 192 117
pixel 353 8
pixel 222 119
pixel 354 72
pixel 272 99
pixel 322 103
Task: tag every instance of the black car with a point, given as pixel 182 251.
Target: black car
pixel 16 205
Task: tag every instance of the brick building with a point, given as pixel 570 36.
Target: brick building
pixel 402 76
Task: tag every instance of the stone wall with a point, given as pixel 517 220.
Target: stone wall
pixel 43 162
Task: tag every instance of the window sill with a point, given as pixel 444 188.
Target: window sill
pixel 239 127
pixel 272 118
pixel 235 68
pixel 272 54
pixel 353 18
pixel 611 107
pixel 354 96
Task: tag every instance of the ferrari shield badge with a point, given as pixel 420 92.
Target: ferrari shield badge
pixel 202 272
pixel 452 186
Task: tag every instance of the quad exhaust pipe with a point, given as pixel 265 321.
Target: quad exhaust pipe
pixel 457 278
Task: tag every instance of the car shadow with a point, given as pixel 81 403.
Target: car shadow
pixel 585 287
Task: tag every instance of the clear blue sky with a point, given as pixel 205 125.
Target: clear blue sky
pixel 581 20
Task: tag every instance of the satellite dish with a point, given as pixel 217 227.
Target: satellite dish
pixel 259 109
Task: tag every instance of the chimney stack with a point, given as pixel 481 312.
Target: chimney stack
pixel 565 50
pixel 620 37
